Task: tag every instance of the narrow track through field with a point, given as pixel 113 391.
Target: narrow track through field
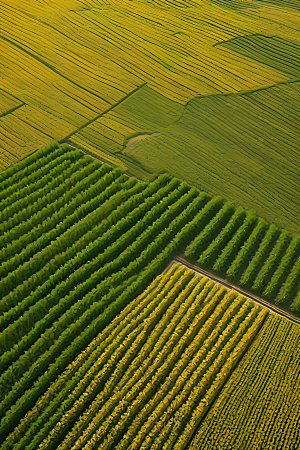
pixel 180 258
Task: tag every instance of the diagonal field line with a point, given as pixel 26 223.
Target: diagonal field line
pixel 102 114
pixel 49 66
pixel 11 110
pixel 262 302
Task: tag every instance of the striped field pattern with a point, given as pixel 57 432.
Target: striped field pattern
pixel 259 406
pixel 146 380
pixel 67 62
pixel 251 252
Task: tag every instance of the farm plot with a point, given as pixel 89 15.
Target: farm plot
pixel 282 54
pixel 146 380
pixel 253 253
pixel 244 145
pixel 79 240
pixel 67 62
pixel 259 406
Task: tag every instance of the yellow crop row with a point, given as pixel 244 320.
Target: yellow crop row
pixel 208 370
pixel 7 102
pixel 216 386
pixel 141 380
pixel 184 370
pixel 142 392
pixel 266 378
pixel 114 352
pixel 114 332
pixel 159 401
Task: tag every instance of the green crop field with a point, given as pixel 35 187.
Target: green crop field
pixel 149 224
pixel 248 250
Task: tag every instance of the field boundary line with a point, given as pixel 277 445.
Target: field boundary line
pixel 11 110
pixel 49 66
pixel 63 140
pixel 264 303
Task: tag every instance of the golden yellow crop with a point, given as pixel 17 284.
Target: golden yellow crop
pixel 69 61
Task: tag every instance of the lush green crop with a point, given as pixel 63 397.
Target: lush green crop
pixel 173 344
pixel 250 252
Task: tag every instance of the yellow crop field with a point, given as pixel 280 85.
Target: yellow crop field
pixel 75 59
pixel 259 407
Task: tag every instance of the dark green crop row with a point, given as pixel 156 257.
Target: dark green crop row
pixel 80 240
pixel 251 252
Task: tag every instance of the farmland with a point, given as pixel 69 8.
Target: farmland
pixel 79 240
pixel 149 224
pixel 83 245
pixel 182 331
pixel 261 398
pixel 248 250
pixel 212 85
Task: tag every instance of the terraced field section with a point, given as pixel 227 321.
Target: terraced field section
pixel 67 62
pixel 251 252
pixel 75 69
pixel 146 380
pixel 259 406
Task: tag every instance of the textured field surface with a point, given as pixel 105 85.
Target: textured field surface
pixel 75 69
pixel 79 240
pixel 249 251
pixel 259 406
pixel 148 377
pixel 245 146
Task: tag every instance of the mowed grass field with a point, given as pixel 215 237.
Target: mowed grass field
pixel 100 72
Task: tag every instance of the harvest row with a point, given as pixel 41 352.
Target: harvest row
pixel 259 406
pixel 147 379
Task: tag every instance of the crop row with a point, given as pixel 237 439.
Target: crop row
pixel 77 247
pixel 83 369
pixel 171 336
pixel 247 250
pixel 266 378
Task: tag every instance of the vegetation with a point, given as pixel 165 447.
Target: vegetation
pixel 207 92
pixel 76 248
pixel 174 127
pixel 243 145
pixel 250 252
pixel 265 380
pixel 182 331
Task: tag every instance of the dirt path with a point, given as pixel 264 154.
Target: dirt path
pixel 260 301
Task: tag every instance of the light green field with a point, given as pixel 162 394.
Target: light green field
pixel 244 146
